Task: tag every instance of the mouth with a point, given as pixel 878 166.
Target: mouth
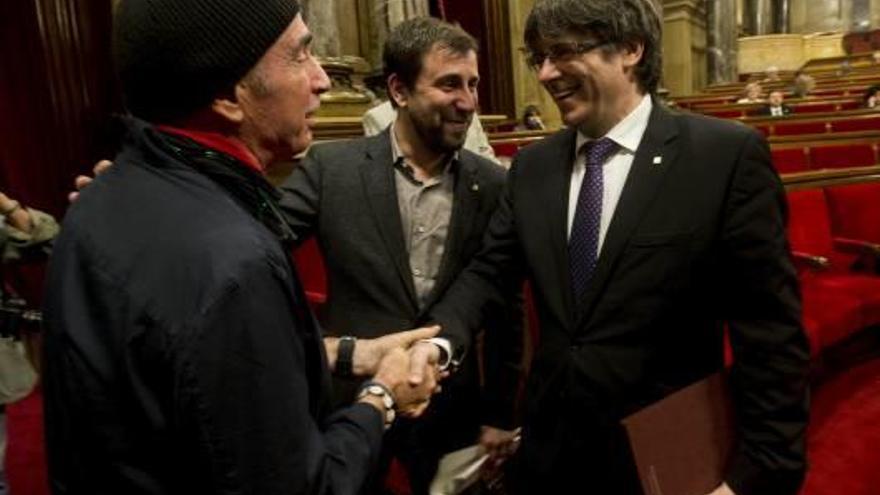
pixel 560 92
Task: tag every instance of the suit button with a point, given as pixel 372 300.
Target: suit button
pixel 575 348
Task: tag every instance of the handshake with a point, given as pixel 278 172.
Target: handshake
pixel 404 366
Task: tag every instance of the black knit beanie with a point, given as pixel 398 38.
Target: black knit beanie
pixel 176 56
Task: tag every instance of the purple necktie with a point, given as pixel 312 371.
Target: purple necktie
pixel 583 243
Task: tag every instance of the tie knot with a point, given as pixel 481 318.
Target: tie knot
pixel 598 151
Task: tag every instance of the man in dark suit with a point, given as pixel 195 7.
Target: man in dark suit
pixel 397 217
pixel 642 233
pixel 775 106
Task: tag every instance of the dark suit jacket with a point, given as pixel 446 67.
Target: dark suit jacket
pixel 344 193
pixel 765 110
pixel 697 240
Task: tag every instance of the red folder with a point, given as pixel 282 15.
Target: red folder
pixel 682 443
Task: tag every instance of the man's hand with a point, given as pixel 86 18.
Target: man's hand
pixel 82 181
pixel 722 490
pixel 424 360
pixel 369 352
pixel 393 372
pixel 499 444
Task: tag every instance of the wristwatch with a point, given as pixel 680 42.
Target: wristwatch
pixel 376 389
pixel 344 356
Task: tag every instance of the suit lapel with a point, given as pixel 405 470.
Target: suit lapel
pixel 642 184
pixel 559 163
pixel 466 201
pixel 377 172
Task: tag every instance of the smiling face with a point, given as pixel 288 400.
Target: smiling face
pixel 279 97
pixel 594 89
pixel 442 100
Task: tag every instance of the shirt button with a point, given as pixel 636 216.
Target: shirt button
pixel 420 229
pixel 417 272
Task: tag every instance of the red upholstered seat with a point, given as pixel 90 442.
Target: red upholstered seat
pixel 837 302
pixel 855 211
pixel 849 155
pixel 787 160
pixel 828 316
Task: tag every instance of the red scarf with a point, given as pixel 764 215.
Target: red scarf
pixel 218 142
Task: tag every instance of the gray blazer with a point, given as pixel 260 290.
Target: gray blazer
pixel 344 194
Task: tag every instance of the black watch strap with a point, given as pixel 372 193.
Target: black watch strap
pixel 344 356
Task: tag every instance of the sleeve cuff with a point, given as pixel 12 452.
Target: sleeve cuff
pixel 445 351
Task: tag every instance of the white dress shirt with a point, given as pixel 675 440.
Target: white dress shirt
pixel 627 134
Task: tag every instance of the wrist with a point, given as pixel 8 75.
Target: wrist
pixel 344 356
pixel 379 395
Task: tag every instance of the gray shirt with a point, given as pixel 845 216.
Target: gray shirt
pixel 425 212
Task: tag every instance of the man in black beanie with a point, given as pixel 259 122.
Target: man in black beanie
pixel 181 357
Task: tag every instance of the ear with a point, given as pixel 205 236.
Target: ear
pixel 398 91
pixel 230 108
pixel 632 53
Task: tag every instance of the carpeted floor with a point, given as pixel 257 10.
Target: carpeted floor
pixel 844 441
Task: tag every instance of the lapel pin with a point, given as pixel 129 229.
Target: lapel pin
pixel 658 160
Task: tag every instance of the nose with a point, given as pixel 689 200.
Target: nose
pixel 468 101
pixel 547 71
pixel 320 80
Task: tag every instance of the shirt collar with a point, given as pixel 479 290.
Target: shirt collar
pixel 399 159
pixel 629 131
pixel 218 142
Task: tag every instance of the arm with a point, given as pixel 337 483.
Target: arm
pixel 24 228
pixel 502 371
pixel 492 277
pixel 770 373
pixel 250 385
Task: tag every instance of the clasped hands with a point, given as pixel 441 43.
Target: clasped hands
pixel 406 364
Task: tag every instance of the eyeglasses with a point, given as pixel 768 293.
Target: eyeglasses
pixel 559 52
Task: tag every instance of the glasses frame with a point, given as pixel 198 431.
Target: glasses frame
pixel 560 52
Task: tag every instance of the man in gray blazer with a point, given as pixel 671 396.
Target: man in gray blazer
pixel 397 216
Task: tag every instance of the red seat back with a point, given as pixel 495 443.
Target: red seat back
pixel 856 124
pixel 791 128
pixel 855 211
pixel 809 225
pixel 788 160
pixel 813 108
pixel 849 155
pixel 506 148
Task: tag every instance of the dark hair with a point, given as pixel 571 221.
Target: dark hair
pixel 870 92
pixel 616 22
pixel 411 40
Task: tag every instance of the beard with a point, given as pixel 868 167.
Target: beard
pixel 433 130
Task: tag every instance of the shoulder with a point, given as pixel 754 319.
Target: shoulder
pixel 708 132
pixel 482 166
